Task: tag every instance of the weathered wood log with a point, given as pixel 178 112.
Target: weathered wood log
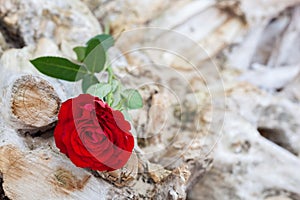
pixel 54 176
pixel 30 103
pixel 265 11
pixel 137 13
pixel 65 22
pixel 277 118
pixel 51 176
pixel 291 91
pixel 247 166
pixel 31 100
pixel 243 157
pixel 220 26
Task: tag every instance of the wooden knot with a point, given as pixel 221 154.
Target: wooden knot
pixel 66 181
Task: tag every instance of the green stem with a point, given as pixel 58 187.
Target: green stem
pixel 110 74
pixel 106 28
pixel 120 104
pixel 110 78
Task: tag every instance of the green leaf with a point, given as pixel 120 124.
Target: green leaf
pixel 106 40
pixel 80 52
pixel 95 57
pixel 115 84
pixel 60 68
pixel 100 90
pixel 117 98
pixel 133 99
pixel 87 81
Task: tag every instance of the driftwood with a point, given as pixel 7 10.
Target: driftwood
pixel 31 103
pixel 54 176
pixel 258 147
pixel 252 41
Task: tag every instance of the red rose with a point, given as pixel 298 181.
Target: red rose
pixel 92 134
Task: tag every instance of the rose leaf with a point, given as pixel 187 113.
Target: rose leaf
pixel 95 56
pixel 115 85
pixel 60 68
pixel 87 81
pixel 80 53
pixel 133 99
pixel 100 90
pixel 106 40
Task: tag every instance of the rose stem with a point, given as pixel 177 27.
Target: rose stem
pixel 110 78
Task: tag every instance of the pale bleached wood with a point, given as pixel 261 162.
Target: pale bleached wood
pixel 208 26
pixel 68 20
pixel 30 99
pixel 43 173
pixel 248 166
pixel 38 163
pixel 53 176
pixel 285 52
pixel 30 103
pixel 46 173
pixel 123 15
pixel 270 79
pixel 292 91
pixel 257 11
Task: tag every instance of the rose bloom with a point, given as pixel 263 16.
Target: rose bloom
pixel 92 134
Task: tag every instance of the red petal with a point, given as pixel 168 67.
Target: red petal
pixel 58 135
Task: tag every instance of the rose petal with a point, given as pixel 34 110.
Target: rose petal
pixel 58 135
pixel 92 134
pixel 120 121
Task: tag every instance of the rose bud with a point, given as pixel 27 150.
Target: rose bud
pixel 92 134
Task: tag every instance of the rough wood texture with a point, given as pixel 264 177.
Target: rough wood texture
pixel 140 178
pixel 31 103
pixel 246 166
pixel 61 21
pixel 196 147
pixel 58 178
